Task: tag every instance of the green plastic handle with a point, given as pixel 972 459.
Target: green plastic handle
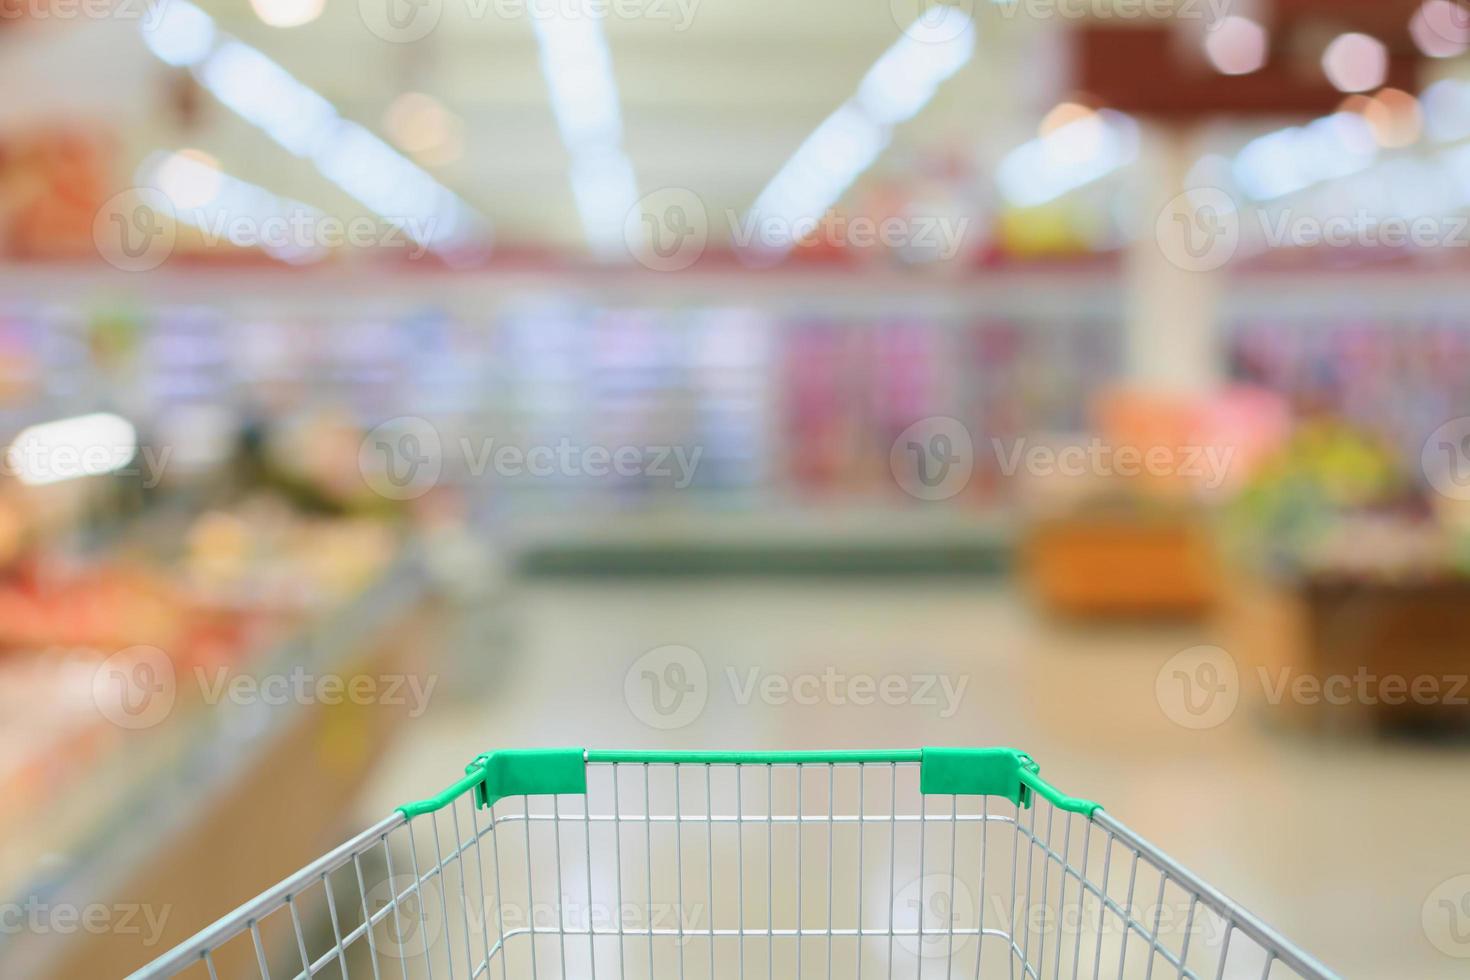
pixel 1007 773
pixel 512 772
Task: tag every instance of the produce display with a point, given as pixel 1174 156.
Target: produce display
pixel 120 593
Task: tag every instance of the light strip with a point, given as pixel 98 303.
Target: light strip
pixel 1446 106
pixel 85 445
pixel 228 201
pixel 1292 159
pixel 577 65
pixel 901 82
pixel 303 122
pixel 1069 157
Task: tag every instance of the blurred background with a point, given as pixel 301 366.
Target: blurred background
pixel 387 381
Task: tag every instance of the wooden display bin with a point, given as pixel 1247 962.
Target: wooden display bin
pixel 1148 565
pixel 1361 657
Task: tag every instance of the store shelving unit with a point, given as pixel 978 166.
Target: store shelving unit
pixel 179 793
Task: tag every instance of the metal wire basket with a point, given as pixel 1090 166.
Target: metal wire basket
pixel 566 863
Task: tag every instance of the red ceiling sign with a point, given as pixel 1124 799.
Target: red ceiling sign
pixel 1161 69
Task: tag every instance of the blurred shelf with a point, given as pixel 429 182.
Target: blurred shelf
pixel 799 541
pixel 161 789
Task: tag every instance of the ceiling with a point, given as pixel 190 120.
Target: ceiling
pixel 715 95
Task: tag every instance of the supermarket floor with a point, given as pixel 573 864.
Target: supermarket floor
pixel 1340 846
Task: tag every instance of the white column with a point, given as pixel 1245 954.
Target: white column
pixel 1171 307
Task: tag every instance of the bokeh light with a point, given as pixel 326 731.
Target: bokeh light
pixel 1237 45
pixel 287 13
pixel 1441 28
pixel 1355 62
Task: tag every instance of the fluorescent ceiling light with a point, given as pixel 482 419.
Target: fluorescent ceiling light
pixel 306 124
pixel 577 65
pixel 901 82
pixel 1071 156
pixel 87 445
pixel 240 212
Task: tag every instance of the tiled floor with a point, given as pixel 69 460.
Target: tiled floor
pixel 1338 846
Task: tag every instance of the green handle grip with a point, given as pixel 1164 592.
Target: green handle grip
pixel 1007 773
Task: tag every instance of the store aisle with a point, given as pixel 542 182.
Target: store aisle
pixel 1338 846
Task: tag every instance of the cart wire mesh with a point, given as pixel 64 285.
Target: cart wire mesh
pixel 763 870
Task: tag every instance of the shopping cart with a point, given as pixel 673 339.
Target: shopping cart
pixel 579 864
